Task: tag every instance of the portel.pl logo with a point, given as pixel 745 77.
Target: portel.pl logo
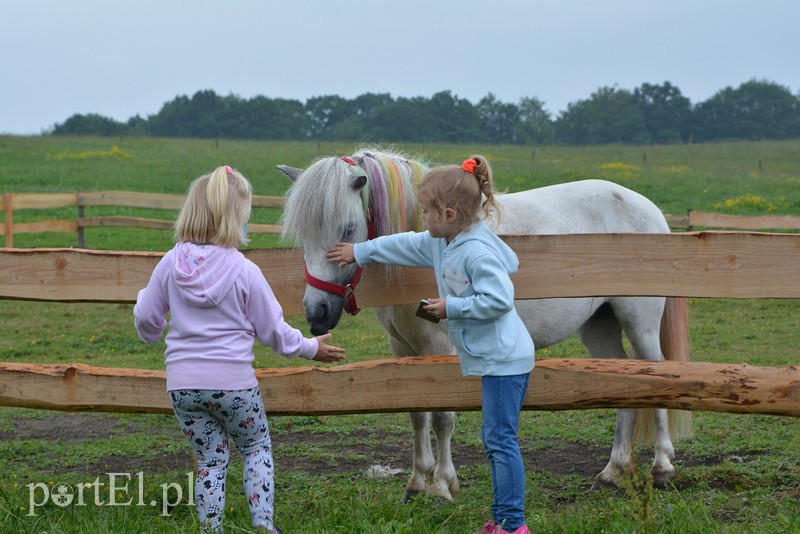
pixel 121 489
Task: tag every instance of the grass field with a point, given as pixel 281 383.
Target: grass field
pixel 738 474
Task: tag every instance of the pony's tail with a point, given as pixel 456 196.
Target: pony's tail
pixel 675 347
pixel 674 336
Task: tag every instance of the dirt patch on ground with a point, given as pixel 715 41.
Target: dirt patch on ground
pixel 67 427
pixel 352 452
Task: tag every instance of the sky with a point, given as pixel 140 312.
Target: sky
pixel 122 58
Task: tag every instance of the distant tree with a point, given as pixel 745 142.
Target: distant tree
pixel 610 115
pixel 136 125
pixel 498 120
pixel 533 124
pixel 453 119
pixel 755 110
pixel 367 103
pixel 290 120
pixel 203 114
pixel 185 117
pixel 279 119
pixel 654 113
pixel 572 125
pixel 666 112
pixel 615 117
pixel 354 127
pixel 230 117
pixel 89 124
pixel 171 120
pixel 442 118
pixel 402 120
pixel 324 112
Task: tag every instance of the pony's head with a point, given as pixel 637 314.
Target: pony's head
pixel 351 200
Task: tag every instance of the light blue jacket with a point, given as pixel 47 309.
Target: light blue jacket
pixel 472 273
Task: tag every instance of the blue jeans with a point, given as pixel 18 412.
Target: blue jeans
pixel 502 398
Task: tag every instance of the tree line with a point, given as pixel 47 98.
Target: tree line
pixel 649 114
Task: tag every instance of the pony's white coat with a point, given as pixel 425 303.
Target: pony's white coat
pixel 322 208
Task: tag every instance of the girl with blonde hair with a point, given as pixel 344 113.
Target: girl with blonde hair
pixel 218 303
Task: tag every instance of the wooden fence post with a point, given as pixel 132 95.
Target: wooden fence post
pixel 8 207
pixel 80 217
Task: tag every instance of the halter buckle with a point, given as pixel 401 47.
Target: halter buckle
pixel 349 297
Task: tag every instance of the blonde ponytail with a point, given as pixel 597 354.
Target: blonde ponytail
pixel 217 207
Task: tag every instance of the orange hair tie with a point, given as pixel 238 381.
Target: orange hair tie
pixel 469 165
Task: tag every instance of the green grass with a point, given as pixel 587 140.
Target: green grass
pixel 739 474
pixel 736 178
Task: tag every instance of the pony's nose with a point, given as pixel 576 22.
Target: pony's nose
pixel 322 317
pixel 317 329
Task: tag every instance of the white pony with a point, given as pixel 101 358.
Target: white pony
pixel 372 193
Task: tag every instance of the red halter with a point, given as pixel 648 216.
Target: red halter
pixel 346 292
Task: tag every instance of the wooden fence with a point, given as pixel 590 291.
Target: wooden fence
pixel 705 264
pixel 704 219
pixel 83 200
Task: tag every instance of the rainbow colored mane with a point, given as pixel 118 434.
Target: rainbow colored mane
pixel 322 194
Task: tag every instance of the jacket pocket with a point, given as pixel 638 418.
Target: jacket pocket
pixel 479 340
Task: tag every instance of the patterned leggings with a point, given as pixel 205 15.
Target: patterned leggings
pixel 207 418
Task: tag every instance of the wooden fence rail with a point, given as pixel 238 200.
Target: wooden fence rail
pixel 127 199
pixel 425 383
pixel 704 219
pixel 701 264
pixel 704 264
pixel 82 200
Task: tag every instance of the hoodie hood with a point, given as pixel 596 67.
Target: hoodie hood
pixel 204 274
pixel 480 232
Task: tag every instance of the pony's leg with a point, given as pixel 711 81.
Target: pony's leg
pixel 423 462
pixel 439 470
pixel 642 327
pixel 602 337
pixel 445 481
pixel 620 462
pixel 432 474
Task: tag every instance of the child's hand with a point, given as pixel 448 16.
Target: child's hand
pixel 437 308
pixel 342 253
pixel 328 353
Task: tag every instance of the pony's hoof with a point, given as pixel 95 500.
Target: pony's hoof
pixel 438 500
pixel 601 484
pixel 440 490
pixel 443 498
pixel 454 488
pixel 662 479
pixel 409 496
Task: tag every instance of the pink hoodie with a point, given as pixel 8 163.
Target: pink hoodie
pixel 218 302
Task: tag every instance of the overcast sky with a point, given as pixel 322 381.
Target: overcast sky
pixel 121 58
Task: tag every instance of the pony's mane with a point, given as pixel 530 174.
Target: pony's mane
pixel 321 196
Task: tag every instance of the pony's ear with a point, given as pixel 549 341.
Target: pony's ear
pixel 291 172
pixel 357 182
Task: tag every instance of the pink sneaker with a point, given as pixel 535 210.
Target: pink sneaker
pixel 492 528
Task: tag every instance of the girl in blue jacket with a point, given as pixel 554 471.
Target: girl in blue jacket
pixel 476 297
